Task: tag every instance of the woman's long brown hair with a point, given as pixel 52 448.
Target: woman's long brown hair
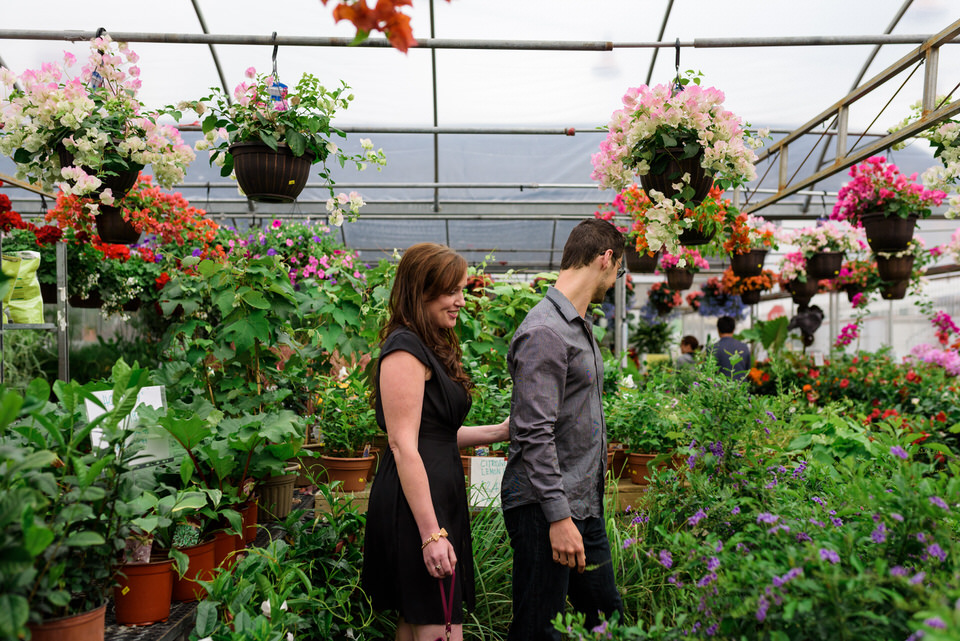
pixel 426 272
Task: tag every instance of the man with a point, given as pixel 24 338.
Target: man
pixel 725 350
pixel 552 488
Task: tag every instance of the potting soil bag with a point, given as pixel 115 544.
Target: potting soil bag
pixel 22 302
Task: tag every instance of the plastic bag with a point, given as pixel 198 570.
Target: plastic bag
pixel 22 302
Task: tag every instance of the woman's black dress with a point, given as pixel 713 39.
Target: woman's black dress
pixel 394 574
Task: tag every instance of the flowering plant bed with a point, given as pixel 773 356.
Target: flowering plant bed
pixel 736 286
pixel 75 132
pixel 837 236
pixel 663 299
pixel 717 301
pixel 747 232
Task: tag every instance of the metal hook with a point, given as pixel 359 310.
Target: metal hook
pixel 276 48
pixel 677 85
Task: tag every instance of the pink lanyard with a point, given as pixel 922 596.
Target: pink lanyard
pixel 447 603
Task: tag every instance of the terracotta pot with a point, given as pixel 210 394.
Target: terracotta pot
pixel 898 268
pixel 143 594
pixel 638 263
pixel 638 466
pixel 276 497
pixel 888 233
pixel 749 264
pixel 112 228
pixel 202 556
pixel 353 473
pixel 87 626
pixel 669 167
pixel 895 290
pixel 224 548
pixel 267 175
pixel 619 465
pixel 750 297
pixel 679 279
pixel 824 265
pixel 249 515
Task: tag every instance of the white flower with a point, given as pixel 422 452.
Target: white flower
pixel 627 381
pixel 289 636
pixel 332 148
pixel 265 608
pixel 366 143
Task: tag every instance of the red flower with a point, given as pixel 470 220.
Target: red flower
pixel 940 417
pixel 48 235
pixel 161 280
pixel 844 384
pixel 913 377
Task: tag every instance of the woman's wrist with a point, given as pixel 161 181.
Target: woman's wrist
pixel 433 538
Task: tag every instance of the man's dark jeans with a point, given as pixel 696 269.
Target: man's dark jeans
pixel 541 586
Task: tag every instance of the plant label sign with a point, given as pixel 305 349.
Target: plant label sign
pixel 155 441
pixel 486 474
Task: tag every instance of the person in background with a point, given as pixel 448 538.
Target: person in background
pixel 418 524
pixel 552 489
pixel 689 346
pixel 728 349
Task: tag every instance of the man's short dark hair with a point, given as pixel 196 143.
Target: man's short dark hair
pixel 588 240
pixel 726 325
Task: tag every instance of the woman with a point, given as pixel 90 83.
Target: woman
pixel 418 526
pixel 689 346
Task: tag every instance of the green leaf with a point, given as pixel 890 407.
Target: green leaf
pixel 296 142
pixel 14 611
pixel 206 618
pixel 84 539
pixel 668 140
pixel 268 139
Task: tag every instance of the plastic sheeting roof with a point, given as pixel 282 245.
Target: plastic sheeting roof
pixel 770 86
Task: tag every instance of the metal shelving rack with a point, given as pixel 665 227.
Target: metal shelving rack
pixel 61 326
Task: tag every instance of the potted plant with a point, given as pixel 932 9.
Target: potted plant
pixel 639 419
pixel 268 125
pixel 897 269
pixel 628 213
pixel 681 267
pixel 793 278
pixel 857 276
pixel 75 484
pixel 663 299
pixel 750 287
pixel 885 202
pixel 348 426
pixel 716 301
pixel 749 239
pixel 89 134
pixel 943 138
pixel 679 140
pixel 824 245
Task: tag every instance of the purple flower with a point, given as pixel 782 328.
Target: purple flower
pixel 600 629
pixel 762 606
pixel 829 555
pixel 803 536
pixel 766 517
pixel 896 517
pixel 836 521
pixel 934 549
pixel 771 415
pixel 896 450
pixel 709 578
pixel 696 518
pixel 819 501
pixel 899 570
pixel 628 542
pixel 918 578
pixel 779 581
pixel 939 502
pixel 777 528
pixel 935 622
pixel 735 510
pixel 196 252
pixel 712 630
pixel 666 559
pixel 713 563
pixel 916 636
pixel 879 535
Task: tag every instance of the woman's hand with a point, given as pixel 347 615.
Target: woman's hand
pixel 504 430
pixel 439 558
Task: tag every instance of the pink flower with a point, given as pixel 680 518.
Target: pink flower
pixel 250 72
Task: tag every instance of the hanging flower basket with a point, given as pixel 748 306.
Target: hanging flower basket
pixel 119 182
pixel 695 237
pixel 825 264
pixel 270 176
pixel 750 296
pixel 802 291
pixel 667 170
pixel 895 290
pixel 896 267
pixel 112 228
pixel 888 233
pixel 852 290
pixel 640 263
pixel 749 264
pixel 679 279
